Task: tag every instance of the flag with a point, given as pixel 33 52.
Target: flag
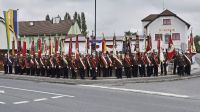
pixel 13 47
pixel 114 45
pixel 60 46
pixel 160 50
pixel 70 48
pixel 6 17
pixel 171 50
pixel 39 47
pixel 56 45
pixel 149 44
pixel 19 47
pixel 32 47
pixel 24 47
pixel 191 45
pixel 15 22
pixel 50 46
pixel 77 48
pixel 87 44
pixel 104 47
pixel 124 45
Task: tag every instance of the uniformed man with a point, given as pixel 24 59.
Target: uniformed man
pixel 53 65
pixel 117 63
pixel 32 65
pixel 5 63
pixel 37 62
pixel 127 65
pixel 181 63
pixel 104 65
pixel 27 63
pixel 82 68
pixel 94 67
pixel 188 61
pixel 65 67
pixel 48 66
pixel 58 66
pixel 22 65
pixel 10 64
pixel 155 64
pixel 74 68
pixel 42 65
pixel 134 66
pixel 16 64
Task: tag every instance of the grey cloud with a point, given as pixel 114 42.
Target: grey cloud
pixel 112 15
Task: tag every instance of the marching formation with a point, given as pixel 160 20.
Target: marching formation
pixel 93 66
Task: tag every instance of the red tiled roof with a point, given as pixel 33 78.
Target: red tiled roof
pixel 166 12
pixel 44 27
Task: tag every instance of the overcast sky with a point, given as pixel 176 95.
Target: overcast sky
pixel 112 15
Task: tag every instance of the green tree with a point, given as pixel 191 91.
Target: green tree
pixel 75 16
pixel 79 21
pixel 69 17
pixel 47 17
pixel 66 16
pixel 83 24
pixel 196 42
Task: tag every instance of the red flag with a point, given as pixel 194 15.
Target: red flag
pixel 171 50
pixel 49 46
pixel 56 45
pixel 77 48
pixel 149 45
pixel 24 48
pixel 39 47
pixel 70 48
pixel 158 45
pixel 32 47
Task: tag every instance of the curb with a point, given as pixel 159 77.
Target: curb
pixel 100 81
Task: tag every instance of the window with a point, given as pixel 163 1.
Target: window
pixel 167 36
pixel 157 36
pixel 166 21
pixel 176 36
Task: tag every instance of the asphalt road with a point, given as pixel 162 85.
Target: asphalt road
pixel 27 96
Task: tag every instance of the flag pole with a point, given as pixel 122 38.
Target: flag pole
pixel 95 23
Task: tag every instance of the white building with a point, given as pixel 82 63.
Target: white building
pixel 162 24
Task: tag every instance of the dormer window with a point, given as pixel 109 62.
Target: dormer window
pixel 166 21
pixel 31 23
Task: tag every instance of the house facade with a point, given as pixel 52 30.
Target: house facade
pixel 164 25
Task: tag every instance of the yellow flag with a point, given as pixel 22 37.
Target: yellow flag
pixel 7 29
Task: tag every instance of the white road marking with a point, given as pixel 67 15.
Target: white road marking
pixel 2 91
pixel 139 91
pixel 21 102
pixel 43 92
pixel 2 103
pixel 55 97
pixel 41 99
